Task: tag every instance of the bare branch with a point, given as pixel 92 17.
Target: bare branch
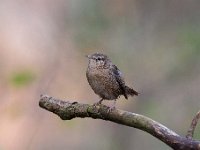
pixel 193 126
pixel 69 110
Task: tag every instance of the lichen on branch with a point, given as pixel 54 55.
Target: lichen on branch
pixel 68 110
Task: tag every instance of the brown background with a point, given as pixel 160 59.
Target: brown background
pixel 156 44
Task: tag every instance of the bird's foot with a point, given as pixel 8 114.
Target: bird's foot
pixel 98 103
pixel 112 107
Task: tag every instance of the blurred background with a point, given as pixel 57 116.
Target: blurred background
pixel 43 43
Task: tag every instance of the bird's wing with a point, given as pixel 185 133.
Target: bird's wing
pixel 120 80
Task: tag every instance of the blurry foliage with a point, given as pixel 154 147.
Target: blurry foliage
pixel 188 57
pixel 151 108
pixel 191 38
pixel 91 23
pixel 22 78
pixel 196 132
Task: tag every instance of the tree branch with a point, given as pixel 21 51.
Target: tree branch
pixel 193 125
pixel 69 110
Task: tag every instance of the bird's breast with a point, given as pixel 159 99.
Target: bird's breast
pixel 103 83
pixel 98 75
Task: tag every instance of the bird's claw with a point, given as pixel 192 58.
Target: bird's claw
pixel 98 103
pixel 110 109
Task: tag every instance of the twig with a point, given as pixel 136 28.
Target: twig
pixel 69 110
pixel 193 125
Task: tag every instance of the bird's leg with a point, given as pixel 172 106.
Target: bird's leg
pixel 99 102
pixel 112 106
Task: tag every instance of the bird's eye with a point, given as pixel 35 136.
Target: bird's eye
pixel 98 58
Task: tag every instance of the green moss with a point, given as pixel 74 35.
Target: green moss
pixel 22 78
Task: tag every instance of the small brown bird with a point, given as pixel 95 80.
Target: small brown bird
pixel 106 79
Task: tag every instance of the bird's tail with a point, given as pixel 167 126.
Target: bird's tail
pixel 130 91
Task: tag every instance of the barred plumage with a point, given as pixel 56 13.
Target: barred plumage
pixel 105 78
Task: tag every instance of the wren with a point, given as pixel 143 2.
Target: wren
pixel 106 79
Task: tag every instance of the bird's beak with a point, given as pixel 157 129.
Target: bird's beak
pixel 87 56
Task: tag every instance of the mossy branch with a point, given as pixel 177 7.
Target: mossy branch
pixel 69 110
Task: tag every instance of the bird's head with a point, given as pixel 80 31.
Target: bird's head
pixel 98 60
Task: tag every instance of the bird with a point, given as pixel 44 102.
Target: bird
pixel 106 79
